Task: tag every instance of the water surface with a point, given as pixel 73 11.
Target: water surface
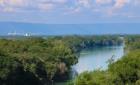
pixel 97 58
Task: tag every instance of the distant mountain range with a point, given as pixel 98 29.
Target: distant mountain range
pixel 69 29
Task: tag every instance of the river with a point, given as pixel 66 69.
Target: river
pixel 97 58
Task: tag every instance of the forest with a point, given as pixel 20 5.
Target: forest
pixel 43 61
pixel 125 71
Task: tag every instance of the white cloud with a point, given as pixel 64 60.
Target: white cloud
pixel 116 7
pixel 59 1
pixel 43 5
pixel 84 3
pixel 78 6
pixel 72 10
pixel 136 2
pixel 16 2
pixel 103 1
pixel 46 6
pixel 75 6
pixel 1 2
pixel 8 9
pixel 13 3
pixel 120 3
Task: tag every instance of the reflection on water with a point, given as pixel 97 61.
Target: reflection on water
pixel 97 58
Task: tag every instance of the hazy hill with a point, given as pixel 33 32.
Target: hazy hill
pixel 65 29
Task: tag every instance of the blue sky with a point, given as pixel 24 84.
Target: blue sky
pixel 70 11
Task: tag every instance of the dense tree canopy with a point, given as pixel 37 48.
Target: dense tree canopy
pixel 35 56
pixel 125 71
pixel 39 61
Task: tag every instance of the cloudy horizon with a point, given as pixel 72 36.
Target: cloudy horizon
pixel 70 11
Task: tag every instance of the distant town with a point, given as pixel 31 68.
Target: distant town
pixel 15 33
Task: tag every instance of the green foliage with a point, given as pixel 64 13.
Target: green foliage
pixel 137 82
pixel 41 58
pixel 35 61
pixel 93 78
pixel 7 65
pixel 77 43
pixel 125 71
pixel 132 42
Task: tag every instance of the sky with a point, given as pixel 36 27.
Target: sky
pixel 70 11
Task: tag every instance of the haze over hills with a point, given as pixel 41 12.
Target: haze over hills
pixel 69 29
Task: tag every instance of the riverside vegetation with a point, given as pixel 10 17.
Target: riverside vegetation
pixel 39 61
pixel 125 71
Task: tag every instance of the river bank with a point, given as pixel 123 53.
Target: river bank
pixel 96 58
